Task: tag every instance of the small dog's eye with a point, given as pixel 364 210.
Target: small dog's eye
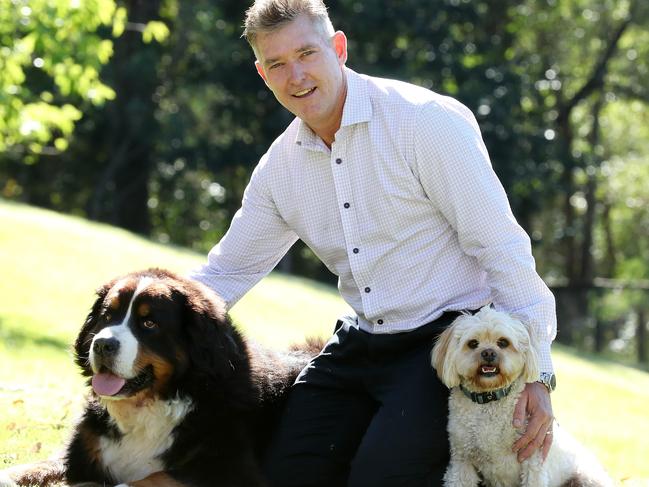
pixel 503 343
pixel 108 317
pixel 149 324
pixel 473 344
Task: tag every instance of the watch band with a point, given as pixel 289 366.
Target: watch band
pixel 549 380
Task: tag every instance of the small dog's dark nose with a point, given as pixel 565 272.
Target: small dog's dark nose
pixel 106 347
pixel 488 355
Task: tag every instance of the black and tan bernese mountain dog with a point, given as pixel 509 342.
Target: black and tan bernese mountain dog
pixel 177 396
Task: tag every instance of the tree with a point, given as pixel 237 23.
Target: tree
pixel 124 143
pixel 583 59
pixel 50 61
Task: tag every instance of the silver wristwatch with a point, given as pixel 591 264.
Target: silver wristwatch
pixel 549 380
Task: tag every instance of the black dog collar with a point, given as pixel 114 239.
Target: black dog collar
pixel 489 396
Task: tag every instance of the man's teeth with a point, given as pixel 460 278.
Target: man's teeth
pixel 304 92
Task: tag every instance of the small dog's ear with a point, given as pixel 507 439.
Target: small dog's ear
pixel 531 370
pixel 443 359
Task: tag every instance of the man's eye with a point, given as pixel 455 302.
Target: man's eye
pixel 276 65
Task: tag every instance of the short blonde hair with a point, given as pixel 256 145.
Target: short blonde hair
pixel 268 15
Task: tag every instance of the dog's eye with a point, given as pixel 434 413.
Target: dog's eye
pixel 108 317
pixel 473 344
pixel 149 324
pixel 503 343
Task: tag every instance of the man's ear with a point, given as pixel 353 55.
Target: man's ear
pixel 261 72
pixel 339 40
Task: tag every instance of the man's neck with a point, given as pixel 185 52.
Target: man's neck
pixel 328 133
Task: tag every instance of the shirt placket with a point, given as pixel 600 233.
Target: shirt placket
pixel 343 174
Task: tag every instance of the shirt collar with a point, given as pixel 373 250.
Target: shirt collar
pixel 357 109
pixel 358 106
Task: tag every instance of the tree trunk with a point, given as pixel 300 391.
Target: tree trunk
pixel 122 194
pixel 610 261
pixel 641 335
pixel 587 271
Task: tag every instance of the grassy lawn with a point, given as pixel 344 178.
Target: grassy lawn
pixel 51 265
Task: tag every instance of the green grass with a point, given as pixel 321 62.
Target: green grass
pixel 52 263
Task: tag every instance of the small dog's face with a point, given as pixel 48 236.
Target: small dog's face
pixel 485 351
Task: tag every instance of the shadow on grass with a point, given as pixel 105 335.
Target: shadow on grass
pixel 13 338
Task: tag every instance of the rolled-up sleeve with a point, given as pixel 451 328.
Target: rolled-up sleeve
pixel 257 239
pixel 456 173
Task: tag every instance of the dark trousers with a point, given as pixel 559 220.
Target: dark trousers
pixel 368 411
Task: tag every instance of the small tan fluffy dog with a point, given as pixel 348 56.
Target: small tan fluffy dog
pixel 491 355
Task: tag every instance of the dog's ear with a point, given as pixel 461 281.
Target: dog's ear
pixel 215 347
pixel 531 368
pixel 84 338
pixel 443 359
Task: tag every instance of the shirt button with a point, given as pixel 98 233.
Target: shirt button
pixel 356 251
pixel 346 205
pixel 380 322
pixel 367 289
pixel 339 161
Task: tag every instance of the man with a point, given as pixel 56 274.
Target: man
pixel 392 187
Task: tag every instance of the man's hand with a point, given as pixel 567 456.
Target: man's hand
pixel 535 406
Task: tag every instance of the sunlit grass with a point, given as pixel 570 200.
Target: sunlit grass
pixel 51 265
pixel 605 405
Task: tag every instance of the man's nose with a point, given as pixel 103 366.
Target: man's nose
pixel 296 72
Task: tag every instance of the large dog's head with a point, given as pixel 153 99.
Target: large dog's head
pixel 485 351
pixel 147 329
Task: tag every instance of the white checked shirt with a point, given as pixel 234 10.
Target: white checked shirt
pixel 405 208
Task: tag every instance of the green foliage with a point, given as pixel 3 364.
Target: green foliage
pixel 51 60
pixel 155 30
pixel 625 185
pixel 51 52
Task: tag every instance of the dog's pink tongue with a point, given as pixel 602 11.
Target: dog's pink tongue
pixel 107 384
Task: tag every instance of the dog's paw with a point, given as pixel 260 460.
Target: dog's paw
pixel 5 480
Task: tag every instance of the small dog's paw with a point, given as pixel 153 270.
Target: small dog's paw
pixel 5 480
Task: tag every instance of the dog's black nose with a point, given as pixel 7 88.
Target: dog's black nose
pixel 105 347
pixel 488 355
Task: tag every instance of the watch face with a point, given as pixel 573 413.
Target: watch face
pixel 549 380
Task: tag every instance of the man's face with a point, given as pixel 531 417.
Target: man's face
pixel 304 70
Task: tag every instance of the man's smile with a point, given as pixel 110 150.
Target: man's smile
pixel 304 93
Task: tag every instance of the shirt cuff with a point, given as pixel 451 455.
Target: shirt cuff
pixel 545 357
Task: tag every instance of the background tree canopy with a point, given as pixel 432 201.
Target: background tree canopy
pixel 148 114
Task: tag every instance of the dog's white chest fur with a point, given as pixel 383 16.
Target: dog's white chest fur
pixel 147 433
pixel 482 434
